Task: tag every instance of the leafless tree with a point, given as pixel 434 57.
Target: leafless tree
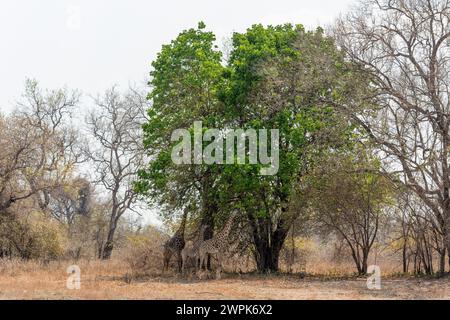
pixel 403 47
pixel 420 235
pixel 40 149
pixel 117 154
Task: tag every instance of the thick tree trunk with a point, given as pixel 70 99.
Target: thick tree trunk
pixel 268 244
pixel 267 259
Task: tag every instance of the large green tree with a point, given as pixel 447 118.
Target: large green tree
pixel 276 78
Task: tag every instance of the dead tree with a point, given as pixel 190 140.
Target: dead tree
pixel 40 148
pixel 117 152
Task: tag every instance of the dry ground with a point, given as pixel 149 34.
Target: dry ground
pixel 100 280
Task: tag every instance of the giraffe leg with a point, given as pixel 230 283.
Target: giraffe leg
pixel 180 262
pixel 202 262
pixel 197 262
pixel 183 262
pixel 200 265
pixel 167 256
pixel 219 266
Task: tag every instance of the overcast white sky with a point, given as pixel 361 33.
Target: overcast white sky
pixel 92 44
pixel 116 40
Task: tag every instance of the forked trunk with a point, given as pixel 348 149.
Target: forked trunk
pixel 268 246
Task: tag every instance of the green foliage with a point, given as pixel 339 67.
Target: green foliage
pixel 257 44
pixel 184 80
pixel 280 77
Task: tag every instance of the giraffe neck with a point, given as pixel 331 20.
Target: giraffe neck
pixel 180 231
pixel 226 230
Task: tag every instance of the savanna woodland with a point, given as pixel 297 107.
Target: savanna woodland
pixel 362 110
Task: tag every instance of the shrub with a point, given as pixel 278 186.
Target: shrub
pixel 33 237
pixel 143 252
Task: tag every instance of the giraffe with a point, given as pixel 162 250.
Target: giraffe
pixel 216 245
pixel 191 248
pixel 175 244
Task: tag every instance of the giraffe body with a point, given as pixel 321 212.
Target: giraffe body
pixel 216 245
pixel 175 245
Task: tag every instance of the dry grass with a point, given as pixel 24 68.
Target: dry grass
pixel 108 280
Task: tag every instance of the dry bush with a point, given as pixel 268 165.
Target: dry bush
pixel 143 252
pixel 239 263
pixel 31 237
pixel 331 259
pixel 296 253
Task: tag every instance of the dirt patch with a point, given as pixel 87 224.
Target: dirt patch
pixel 231 288
pixel 108 280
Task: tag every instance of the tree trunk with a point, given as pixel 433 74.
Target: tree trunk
pixel 109 244
pixel 442 262
pixel 446 215
pixel 357 261
pixel 267 261
pixel 268 245
pixel 447 239
pixel 364 264
pixel 404 258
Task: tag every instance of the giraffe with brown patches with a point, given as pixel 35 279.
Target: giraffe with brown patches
pixel 216 245
pixel 175 245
